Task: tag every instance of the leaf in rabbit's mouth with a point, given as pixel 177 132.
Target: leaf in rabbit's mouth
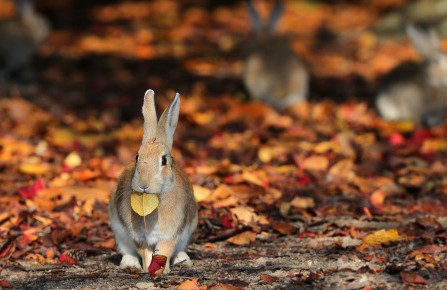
pixel 143 203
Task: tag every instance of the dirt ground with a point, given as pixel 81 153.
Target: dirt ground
pixel 289 263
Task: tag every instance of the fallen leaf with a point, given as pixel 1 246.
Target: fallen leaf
pixel 5 284
pixel 382 237
pixel 315 162
pixel 303 202
pixel 247 216
pixel 191 284
pixel 72 160
pixel 221 286
pixel 34 168
pixel 201 193
pixel 377 198
pixel 268 279
pixel 157 266
pixel 33 190
pixel 284 228
pixel 244 238
pixel 65 259
pixel 412 278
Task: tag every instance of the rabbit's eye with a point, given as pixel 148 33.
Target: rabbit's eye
pixel 164 160
pixel 136 158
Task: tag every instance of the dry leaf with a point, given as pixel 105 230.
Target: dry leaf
pixel 191 284
pixel 303 202
pixel 382 237
pixel 244 238
pixel 315 162
pixel 412 278
pixel 201 193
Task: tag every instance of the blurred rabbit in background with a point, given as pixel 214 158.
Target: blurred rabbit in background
pixel 20 37
pixel 417 91
pixel 273 73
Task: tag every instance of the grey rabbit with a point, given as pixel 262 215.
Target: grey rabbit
pixel 168 229
pixel 273 73
pixel 20 37
pixel 417 91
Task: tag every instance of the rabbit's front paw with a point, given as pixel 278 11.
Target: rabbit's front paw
pixel 130 262
pixel 182 258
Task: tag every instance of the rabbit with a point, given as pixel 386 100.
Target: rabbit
pixel 20 37
pixel 273 73
pixel 168 229
pixel 417 91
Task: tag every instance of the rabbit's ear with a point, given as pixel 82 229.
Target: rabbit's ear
pixel 275 15
pixel 255 19
pixel 24 7
pixel 168 121
pixel 427 43
pixel 150 116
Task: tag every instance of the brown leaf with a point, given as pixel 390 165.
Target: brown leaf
pixel 412 278
pixel 221 286
pixel 268 279
pixel 244 238
pixel 284 228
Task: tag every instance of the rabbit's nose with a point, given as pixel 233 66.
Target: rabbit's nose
pixel 433 117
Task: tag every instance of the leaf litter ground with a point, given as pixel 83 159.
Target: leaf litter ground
pixel 326 195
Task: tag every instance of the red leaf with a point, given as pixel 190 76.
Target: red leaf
pixel 5 284
pixel 304 180
pixel 65 259
pixel 227 221
pixel 7 249
pixel 419 136
pixel 307 235
pixel 396 139
pixel 157 266
pixel 412 278
pixel 33 190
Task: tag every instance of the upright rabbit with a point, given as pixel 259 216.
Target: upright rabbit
pixel 167 230
pixel 273 73
pixel 417 91
pixel 20 36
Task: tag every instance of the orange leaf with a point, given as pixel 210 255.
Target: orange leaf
pixel 191 284
pixel 244 238
pixel 65 259
pixel 284 228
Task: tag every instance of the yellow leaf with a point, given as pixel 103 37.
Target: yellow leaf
pixel 266 154
pixel 245 215
pixel 34 168
pixel 143 203
pixel 244 238
pixel 73 160
pixel 201 193
pixel 382 237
